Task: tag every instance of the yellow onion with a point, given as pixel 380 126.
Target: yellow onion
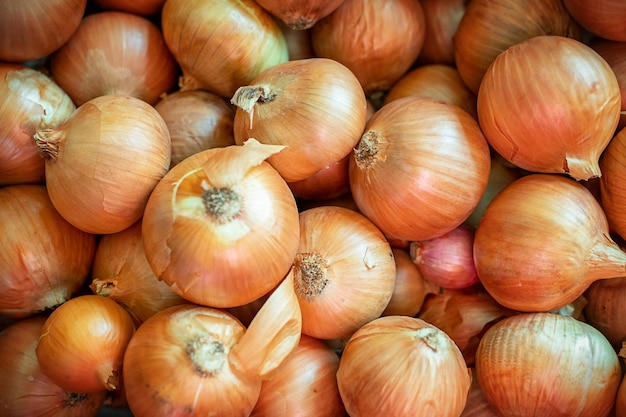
pixel 24 390
pixel 489 27
pixel 613 183
pixel 477 405
pixel 614 53
pixel 378 40
pixel 604 18
pixel 542 241
pixel 29 100
pixel 402 366
pixel 567 106
pixel 221 227
pixel 103 162
pixel 605 308
pixel 315 107
pixel 304 385
pixel 121 272
pixel 327 183
pixel 420 168
pixel 82 344
pixel 298 41
pixel 298 14
pixel 221 45
pixel 44 260
pixel 199 360
pixel 34 29
pixel 114 52
pixel 197 120
pixel 544 364
pixel 438 81
pixel 344 271
pixel 140 7
pixel 442 18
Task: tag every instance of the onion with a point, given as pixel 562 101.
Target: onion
pixel 325 184
pixel 614 53
pixel 29 100
pixel 198 360
pixel 447 260
pixel 605 308
pixel 542 241
pixel 378 40
pixel 442 21
pixel 389 368
pixel 82 344
pixel 613 183
pixel 114 53
pixel 104 161
pixel 489 27
pixel 197 120
pixel 34 29
pixel 298 14
pixel 605 18
pixel 567 106
pixel 298 41
pixel 221 45
pixel 532 365
pixel 24 390
pixel 420 168
pixel 438 81
pixel 344 272
pixel 44 260
pixel 221 227
pixel 477 405
pixel 303 385
pixel 315 107
pixel 141 7
pixel 121 272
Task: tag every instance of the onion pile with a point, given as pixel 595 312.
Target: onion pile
pixel 325 208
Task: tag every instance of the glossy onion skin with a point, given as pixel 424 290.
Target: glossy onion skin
pixel 545 364
pixel 550 104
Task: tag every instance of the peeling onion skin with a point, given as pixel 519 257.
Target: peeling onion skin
pixel 545 364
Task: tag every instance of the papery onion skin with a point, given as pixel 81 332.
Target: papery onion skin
pixel 235 258
pixel 443 18
pixel 378 40
pixel 44 260
pixel 34 29
pixel 114 52
pixel 104 161
pixel 197 120
pixel 489 27
pixel 605 18
pixel 315 107
pixel 410 355
pixel 613 183
pixel 410 289
pixel 477 405
pixel 221 45
pixel 420 168
pixel 298 14
pixel 542 241
pixel 82 344
pixel 304 385
pixel 544 364
pixel 24 390
pixel 567 106
pixel 344 272
pixel 177 363
pixel 31 100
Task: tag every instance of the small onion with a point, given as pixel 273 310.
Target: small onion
pixel 402 366
pixel 613 183
pixel 606 307
pixel 197 120
pixel 544 364
pixel 121 272
pixel 420 168
pixel 378 40
pixel 221 45
pixel 542 241
pixel 104 161
pixel 44 260
pixel 489 27
pixel 114 53
pixel 140 7
pixel 221 227
pixel 34 29
pixel 344 272
pixel 315 107
pixel 82 344
pixel 24 390
pixel 298 14
pixel 29 101
pixel 604 18
pixel 567 106
pixel 304 385
pixel 442 18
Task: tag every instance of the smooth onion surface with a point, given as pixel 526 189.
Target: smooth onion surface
pixel 550 104
pixel 442 21
pixel 605 308
pixel 613 183
pixel 614 53
pixel 604 18
pixel 420 168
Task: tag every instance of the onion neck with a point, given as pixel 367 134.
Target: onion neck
pixel 311 275
pixel 606 260
pixel 48 141
pixel 247 97
pixel 581 169
pixel 367 151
